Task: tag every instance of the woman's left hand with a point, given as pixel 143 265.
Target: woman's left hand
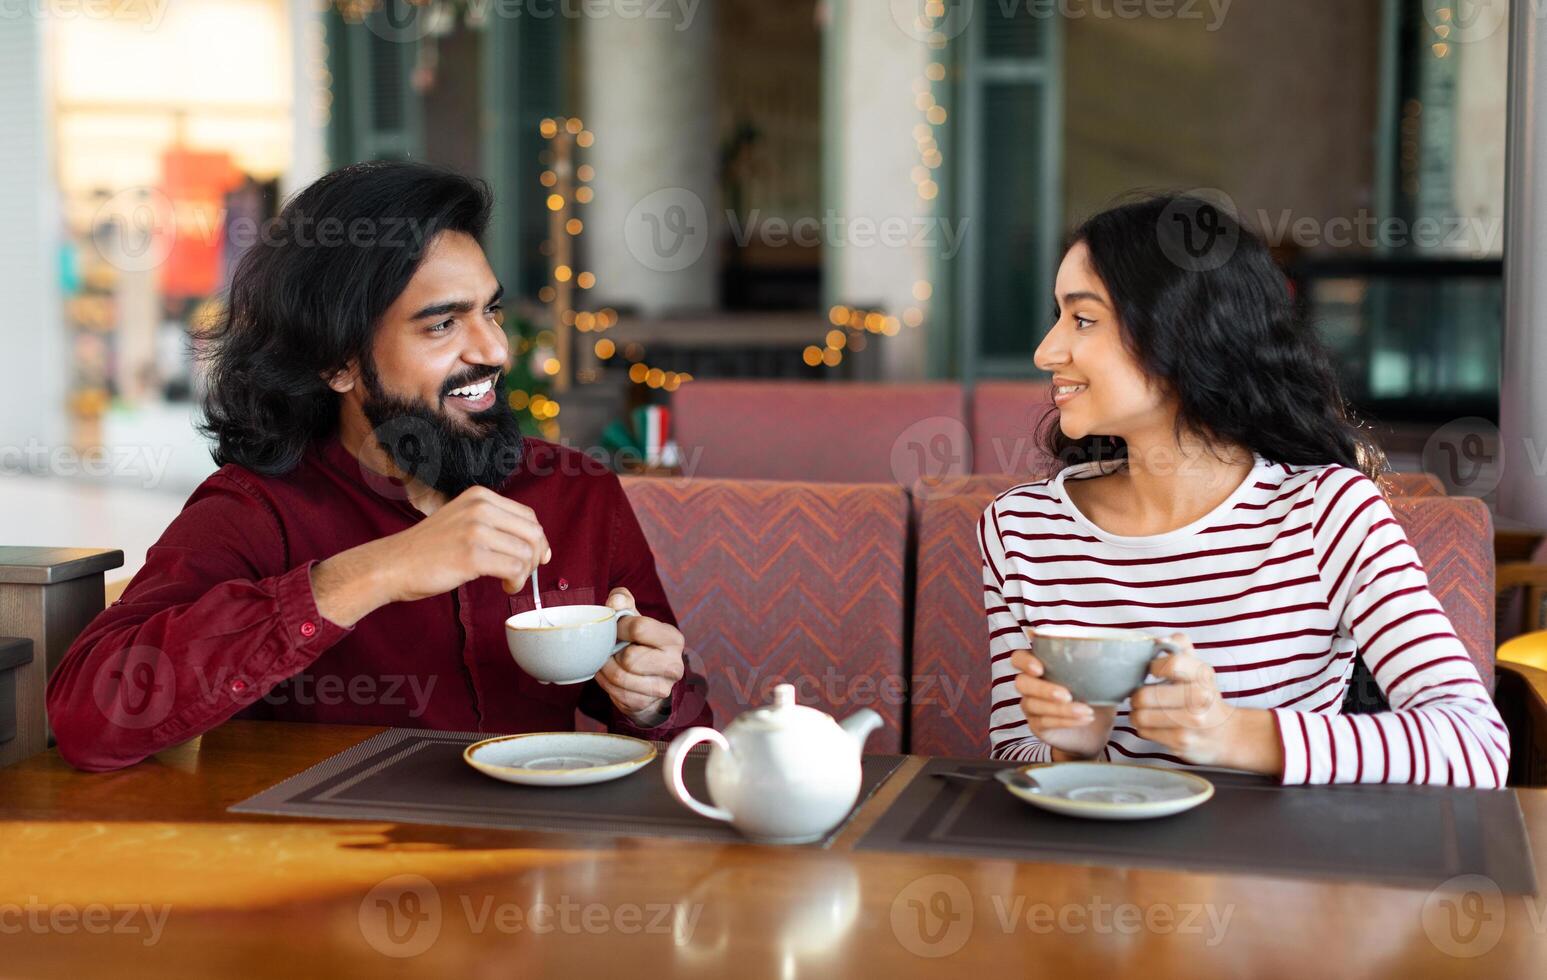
pixel 1188 715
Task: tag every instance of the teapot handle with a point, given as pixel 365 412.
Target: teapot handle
pixel 672 769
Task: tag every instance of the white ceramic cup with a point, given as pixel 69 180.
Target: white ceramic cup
pixel 570 647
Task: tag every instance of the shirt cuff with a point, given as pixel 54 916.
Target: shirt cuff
pixel 306 629
pixel 622 724
pixel 1291 737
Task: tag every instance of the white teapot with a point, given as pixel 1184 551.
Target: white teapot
pixel 784 774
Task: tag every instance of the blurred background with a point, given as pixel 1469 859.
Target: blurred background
pixel 697 190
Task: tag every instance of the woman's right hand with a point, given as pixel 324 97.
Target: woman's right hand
pixel 1073 730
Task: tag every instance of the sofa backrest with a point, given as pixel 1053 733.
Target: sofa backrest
pixel 1413 485
pixel 1007 418
pixel 793 583
pixel 842 432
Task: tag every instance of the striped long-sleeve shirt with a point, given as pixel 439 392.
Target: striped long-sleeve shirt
pixel 1280 587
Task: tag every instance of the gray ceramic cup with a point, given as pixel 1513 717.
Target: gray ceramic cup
pixel 572 649
pixel 1098 666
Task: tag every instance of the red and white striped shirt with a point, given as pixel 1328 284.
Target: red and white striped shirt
pixel 1300 570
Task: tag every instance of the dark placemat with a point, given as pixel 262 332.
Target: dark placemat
pixel 411 775
pixel 1413 836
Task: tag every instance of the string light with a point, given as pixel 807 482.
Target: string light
pixel 850 327
pixel 930 159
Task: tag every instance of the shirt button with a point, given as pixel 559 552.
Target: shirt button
pixel 308 628
pixel 238 686
pixel 563 584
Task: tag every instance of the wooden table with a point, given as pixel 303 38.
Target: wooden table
pixel 143 873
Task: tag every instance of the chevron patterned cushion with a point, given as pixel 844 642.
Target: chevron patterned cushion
pixel 786 583
pixel 950 680
pixel 1454 539
pixel 1006 422
pixel 950 632
pixel 1413 485
pixel 841 432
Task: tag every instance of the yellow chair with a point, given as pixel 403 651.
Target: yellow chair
pixel 1521 696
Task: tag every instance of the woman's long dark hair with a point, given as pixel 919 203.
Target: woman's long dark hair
pixel 306 298
pixel 1206 312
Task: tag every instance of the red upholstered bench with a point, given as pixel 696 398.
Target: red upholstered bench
pixel 1452 535
pixel 1007 421
pixel 840 432
pixel 1413 485
pixel 786 583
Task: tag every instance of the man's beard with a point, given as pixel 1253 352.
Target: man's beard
pixel 439 449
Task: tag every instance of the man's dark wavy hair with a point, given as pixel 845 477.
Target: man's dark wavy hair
pixel 1206 311
pixel 306 299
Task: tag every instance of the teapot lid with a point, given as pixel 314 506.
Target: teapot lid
pixel 783 713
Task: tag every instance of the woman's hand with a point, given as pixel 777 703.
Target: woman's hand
pixel 1073 730
pixel 1189 716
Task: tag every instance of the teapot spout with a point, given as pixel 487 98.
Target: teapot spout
pixel 860 724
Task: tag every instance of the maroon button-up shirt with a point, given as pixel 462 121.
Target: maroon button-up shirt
pixel 221 621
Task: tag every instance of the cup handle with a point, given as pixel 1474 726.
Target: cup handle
pixel 622 645
pixel 1164 648
pixel 671 767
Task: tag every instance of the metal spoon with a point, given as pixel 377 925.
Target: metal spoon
pixel 542 617
pixel 1010 777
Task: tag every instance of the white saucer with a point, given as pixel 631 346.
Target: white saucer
pixel 559 758
pixel 1112 790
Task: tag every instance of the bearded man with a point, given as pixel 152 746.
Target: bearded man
pixel 377 514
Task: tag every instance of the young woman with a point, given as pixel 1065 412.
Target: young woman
pixel 1218 495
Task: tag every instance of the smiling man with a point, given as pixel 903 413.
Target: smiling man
pixel 377 515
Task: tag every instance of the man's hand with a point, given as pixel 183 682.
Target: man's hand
pixel 477 534
pixel 639 678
